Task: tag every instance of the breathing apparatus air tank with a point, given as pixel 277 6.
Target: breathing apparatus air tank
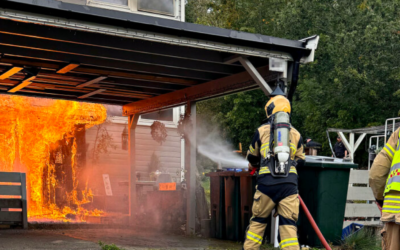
pixel 282 143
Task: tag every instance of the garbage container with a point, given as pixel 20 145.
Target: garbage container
pixel 323 184
pixel 231 204
pixel 217 200
pixel 247 190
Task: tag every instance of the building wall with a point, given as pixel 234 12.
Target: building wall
pixel 116 162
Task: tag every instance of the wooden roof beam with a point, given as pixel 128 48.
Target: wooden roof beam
pixel 107 63
pixel 96 80
pixel 31 74
pixel 97 71
pixel 92 93
pixel 68 68
pixel 19 86
pixel 10 72
pixel 223 86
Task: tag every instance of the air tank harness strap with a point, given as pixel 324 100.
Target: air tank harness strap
pixel 271 136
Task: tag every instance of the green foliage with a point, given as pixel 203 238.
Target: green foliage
pixel 362 240
pixel 206 185
pixel 108 247
pixel 354 81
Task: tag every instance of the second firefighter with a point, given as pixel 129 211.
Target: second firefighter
pixel 276 149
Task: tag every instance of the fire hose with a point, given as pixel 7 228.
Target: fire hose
pixel 310 218
pixel 314 225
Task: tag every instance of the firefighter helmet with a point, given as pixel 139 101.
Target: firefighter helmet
pixel 277 104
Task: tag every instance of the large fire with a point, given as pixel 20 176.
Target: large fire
pixel 38 136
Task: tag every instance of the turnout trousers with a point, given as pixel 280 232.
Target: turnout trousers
pixel 391 236
pixel 283 197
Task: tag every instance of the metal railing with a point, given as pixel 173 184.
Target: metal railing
pixel 393 125
pixel 377 146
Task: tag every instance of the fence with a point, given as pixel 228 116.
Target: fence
pixel 13 210
pixel 361 213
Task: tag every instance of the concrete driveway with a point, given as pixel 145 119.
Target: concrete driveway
pixel 127 239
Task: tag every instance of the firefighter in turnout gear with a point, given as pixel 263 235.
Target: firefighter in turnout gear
pixel 384 179
pixel 277 176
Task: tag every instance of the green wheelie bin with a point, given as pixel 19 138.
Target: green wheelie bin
pixel 323 185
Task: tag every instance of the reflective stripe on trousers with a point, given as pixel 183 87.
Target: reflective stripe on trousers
pixel 254 237
pixel 288 242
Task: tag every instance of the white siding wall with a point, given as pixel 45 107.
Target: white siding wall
pixel 116 162
pixel 169 153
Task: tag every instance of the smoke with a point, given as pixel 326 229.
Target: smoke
pixel 220 152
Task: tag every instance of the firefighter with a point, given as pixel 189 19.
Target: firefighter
pixel 274 192
pixel 384 179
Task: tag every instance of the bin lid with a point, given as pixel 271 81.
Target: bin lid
pixel 328 162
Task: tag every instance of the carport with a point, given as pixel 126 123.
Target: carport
pixel 58 50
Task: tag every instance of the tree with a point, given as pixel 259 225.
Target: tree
pixel 354 81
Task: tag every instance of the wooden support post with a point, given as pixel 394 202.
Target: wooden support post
pixel 352 149
pixel 345 142
pixel 190 165
pixel 253 72
pixel 133 120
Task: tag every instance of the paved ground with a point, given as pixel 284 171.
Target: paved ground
pixel 67 239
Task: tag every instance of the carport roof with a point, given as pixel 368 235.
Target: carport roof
pixel 83 53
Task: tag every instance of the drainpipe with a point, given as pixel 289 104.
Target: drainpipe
pixel 295 78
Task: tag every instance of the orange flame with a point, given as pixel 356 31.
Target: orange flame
pixel 28 127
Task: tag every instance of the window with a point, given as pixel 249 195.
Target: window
pixel 163 115
pixel 170 117
pixel 117 2
pixel 147 7
pixel 158 6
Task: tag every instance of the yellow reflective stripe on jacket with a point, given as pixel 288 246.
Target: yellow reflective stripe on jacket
pixel 265 170
pixel 389 149
pixel 393 180
pixel 251 149
pixel 254 237
pixel 392 196
pixel 288 242
pixel 294 149
pixel 391 209
pixel 264 149
pixel 392 200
